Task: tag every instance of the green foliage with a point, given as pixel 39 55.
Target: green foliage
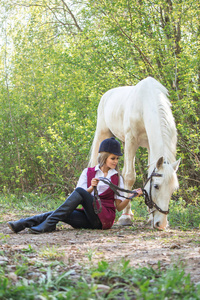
pixel 120 279
pixel 29 202
pixel 145 283
pixel 58 58
pixel 184 216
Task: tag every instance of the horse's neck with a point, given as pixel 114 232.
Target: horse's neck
pixel 158 120
pixel 158 148
pixel 161 139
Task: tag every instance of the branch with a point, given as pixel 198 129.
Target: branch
pixel 187 178
pixel 130 39
pixel 72 15
pixel 130 16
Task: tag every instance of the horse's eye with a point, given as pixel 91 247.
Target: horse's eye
pixel 156 186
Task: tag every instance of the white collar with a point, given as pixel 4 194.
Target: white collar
pixel 110 171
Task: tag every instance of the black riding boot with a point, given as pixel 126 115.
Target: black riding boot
pixel 59 214
pixel 21 224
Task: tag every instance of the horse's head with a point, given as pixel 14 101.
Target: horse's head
pixel 160 186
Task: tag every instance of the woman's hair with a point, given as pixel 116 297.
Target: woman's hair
pixel 102 156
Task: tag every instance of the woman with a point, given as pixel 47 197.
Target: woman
pixel 109 152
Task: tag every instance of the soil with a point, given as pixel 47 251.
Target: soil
pixel 138 243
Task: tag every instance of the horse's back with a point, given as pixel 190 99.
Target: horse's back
pixel 117 95
pixel 113 107
pixel 129 108
pixel 126 97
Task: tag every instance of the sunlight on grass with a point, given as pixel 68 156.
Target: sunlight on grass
pixel 51 253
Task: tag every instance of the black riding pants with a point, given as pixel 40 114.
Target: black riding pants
pixel 85 218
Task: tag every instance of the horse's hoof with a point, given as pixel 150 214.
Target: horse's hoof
pixel 125 221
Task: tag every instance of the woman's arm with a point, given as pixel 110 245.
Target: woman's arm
pixel 120 205
pixel 82 182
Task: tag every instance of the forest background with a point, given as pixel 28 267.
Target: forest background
pixel 58 57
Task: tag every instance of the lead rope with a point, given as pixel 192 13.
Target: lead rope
pixel 114 188
pixel 97 200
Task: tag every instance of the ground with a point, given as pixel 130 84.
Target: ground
pixel 139 243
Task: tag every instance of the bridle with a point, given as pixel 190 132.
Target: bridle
pixel 148 198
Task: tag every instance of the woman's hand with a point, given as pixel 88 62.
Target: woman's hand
pixel 138 191
pixel 120 205
pixel 94 182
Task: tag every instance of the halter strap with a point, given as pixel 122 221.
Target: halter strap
pixel 148 198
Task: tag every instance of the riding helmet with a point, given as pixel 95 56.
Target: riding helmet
pixel 110 145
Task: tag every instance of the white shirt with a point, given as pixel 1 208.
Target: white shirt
pixel 101 187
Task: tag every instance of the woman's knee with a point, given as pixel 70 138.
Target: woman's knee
pixel 81 192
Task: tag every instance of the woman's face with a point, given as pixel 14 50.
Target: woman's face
pixel 112 161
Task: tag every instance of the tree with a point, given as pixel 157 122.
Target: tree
pixel 66 54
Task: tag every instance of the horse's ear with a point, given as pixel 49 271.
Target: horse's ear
pixel 175 165
pixel 160 162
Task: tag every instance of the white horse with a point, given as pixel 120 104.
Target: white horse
pixel 140 115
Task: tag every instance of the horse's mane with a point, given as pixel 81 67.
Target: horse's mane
pixel 170 175
pixel 167 122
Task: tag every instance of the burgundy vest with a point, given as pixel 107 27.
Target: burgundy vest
pixel 107 215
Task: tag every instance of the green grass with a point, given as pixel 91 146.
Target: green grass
pixel 51 253
pixel 27 202
pixel 106 281
pixel 184 216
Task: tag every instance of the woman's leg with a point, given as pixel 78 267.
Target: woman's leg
pixel 61 213
pixel 87 204
pixel 17 226
pixel 78 219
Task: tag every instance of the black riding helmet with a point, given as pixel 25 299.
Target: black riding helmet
pixel 110 145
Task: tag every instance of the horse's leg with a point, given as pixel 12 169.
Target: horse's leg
pixel 129 176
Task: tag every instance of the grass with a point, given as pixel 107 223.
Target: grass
pixel 184 216
pixel 46 277
pixel 106 281
pixel 29 201
pixel 51 253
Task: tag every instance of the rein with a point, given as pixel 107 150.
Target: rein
pixel 97 199
pixel 114 188
pixel 148 198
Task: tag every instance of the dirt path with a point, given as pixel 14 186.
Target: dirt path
pixel 141 245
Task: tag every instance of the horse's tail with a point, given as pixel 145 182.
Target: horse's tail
pixel 94 151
